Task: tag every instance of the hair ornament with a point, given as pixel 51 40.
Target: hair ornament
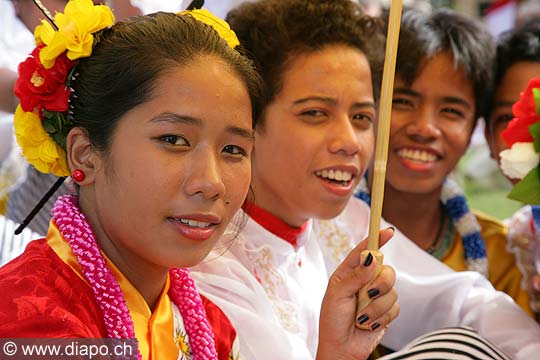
pixel 220 25
pixel 522 135
pixel 44 84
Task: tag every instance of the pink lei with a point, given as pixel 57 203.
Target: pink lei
pixel 118 322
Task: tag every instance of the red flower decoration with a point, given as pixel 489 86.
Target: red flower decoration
pixel 38 88
pixel 525 113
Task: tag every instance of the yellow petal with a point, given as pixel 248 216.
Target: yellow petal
pixel 49 53
pixel 37 146
pixel 43 33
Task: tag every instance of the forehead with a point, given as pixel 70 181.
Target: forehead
pixel 439 76
pixel 515 80
pixel 326 69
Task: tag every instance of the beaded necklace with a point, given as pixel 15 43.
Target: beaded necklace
pixel 455 205
pixel 75 229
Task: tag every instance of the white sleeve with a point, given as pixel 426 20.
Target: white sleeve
pixel 230 286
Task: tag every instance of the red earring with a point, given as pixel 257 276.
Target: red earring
pixel 78 175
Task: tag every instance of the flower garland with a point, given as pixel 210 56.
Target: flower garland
pixel 44 84
pixel 75 229
pixel 462 218
pixel 522 135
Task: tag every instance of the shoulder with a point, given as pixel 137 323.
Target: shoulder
pixel 491 227
pixel 43 297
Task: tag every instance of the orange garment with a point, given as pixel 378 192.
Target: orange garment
pixel 503 272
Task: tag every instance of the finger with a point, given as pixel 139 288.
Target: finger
pixel 353 260
pixel 379 313
pixel 383 283
pixel 347 282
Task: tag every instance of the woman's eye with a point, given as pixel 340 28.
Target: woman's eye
pixel 402 102
pixel 174 140
pixel 504 118
pixel 316 113
pixel 363 118
pixel 454 112
pixel 234 150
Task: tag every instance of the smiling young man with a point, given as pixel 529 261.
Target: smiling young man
pixel 443 68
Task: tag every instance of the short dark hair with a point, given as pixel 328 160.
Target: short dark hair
pixel 130 56
pixel 426 34
pixel 519 44
pixel 274 31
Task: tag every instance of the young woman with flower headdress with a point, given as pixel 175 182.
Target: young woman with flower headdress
pixel 517 71
pixel 152 118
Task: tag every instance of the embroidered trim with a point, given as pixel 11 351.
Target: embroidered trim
pixel 463 219
pixel 74 227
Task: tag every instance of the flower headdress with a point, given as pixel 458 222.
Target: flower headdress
pixel 42 119
pixel 44 86
pixel 522 135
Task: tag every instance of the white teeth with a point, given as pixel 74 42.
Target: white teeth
pixel 417 155
pixel 336 175
pixel 194 223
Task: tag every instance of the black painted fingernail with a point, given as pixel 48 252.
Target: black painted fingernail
pixel 372 293
pixel 375 326
pixel 362 319
pixel 368 260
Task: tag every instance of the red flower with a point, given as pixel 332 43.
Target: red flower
pixel 525 115
pixel 38 88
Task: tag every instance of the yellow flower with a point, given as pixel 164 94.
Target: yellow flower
pixel 43 33
pixel 81 18
pixel 221 26
pixel 37 146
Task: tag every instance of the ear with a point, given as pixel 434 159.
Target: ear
pixel 81 154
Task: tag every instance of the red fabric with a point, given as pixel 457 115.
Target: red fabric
pixel 224 332
pixel 43 297
pixel 275 225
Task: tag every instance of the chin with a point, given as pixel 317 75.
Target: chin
pixel 330 211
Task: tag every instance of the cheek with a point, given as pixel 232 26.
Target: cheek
pixel 366 142
pixel 237 182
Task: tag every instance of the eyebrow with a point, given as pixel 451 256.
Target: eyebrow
pixel 446 99
pixel 331 101
pixel 173 118
pixel 503 103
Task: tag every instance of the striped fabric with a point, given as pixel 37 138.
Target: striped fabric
pixel 12 245
pixel 449 344
pixel 23 199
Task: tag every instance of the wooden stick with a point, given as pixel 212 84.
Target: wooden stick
pixel 383 127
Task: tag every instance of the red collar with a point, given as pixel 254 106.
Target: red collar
pixel 275 225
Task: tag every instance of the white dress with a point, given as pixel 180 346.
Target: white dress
pixel 274 302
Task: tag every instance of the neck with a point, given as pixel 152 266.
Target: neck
pixel 147 279
pixel 266 199
pixel 420 223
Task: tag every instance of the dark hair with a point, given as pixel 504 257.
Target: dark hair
pixel 424 35
pixel 130 56
pixel 516 45
pixel 272 32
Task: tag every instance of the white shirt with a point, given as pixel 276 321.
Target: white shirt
pixel 274 304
